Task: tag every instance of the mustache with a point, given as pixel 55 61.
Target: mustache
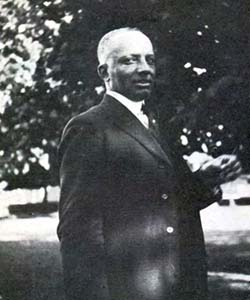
pixel 144 80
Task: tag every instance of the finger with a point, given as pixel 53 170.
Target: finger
pixel 237 168
pixel 234 173
pixel 222 179
pixel 231 176
pixel 230 162
pixel 211 167
pixel 231 167
pixel 223 161
pixel 226 159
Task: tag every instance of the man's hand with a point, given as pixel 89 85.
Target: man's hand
pixel 216 171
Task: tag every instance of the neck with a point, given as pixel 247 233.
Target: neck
pixel 123 97
pixel 137 100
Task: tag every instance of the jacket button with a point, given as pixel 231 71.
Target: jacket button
pixel 170 229
pixel 164 196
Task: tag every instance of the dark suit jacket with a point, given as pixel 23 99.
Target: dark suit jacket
pixel 129 212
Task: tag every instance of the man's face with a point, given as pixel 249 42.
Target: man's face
pixel 131 66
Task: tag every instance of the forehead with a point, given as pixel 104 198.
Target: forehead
pixel 131 43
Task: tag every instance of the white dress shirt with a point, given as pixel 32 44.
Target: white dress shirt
pixel 134 107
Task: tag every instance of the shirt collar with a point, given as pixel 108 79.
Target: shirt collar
pixel 134 107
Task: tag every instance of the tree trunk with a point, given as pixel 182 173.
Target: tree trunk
pixel 45 197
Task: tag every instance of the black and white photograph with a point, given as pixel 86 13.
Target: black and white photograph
pixel 124 150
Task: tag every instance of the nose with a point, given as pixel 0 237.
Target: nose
pixel 145 67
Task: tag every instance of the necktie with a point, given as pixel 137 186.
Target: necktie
pixel 152 122
pixel 143 117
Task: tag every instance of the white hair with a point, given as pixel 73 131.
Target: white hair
pixel 104 46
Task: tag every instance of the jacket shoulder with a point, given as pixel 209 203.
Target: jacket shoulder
pixel 92 115
pixel 84 128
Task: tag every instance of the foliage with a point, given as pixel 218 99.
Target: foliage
pixel 27 38
pixel 48 50
pixel 198 44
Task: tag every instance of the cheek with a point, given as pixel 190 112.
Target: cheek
pixel 126 71
pixel 122 78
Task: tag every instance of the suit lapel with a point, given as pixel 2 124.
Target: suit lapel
pixel 128 123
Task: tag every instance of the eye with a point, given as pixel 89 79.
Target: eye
pixel 151 60
pixel 128 60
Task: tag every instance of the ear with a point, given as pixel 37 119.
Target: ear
pixel 102 71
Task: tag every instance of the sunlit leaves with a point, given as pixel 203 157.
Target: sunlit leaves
pixel 48 74
pixel 27 38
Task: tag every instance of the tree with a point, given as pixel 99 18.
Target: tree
pixel 198 42
pixel 49 52
pixel 28 143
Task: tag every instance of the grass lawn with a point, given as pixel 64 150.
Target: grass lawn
pixel 30 259
pixel 31 270
pixel 229 265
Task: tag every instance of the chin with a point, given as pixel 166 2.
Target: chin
pixel 143 95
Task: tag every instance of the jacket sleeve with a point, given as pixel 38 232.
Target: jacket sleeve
pixel 196 192
pixel 82 172
pixel 203 194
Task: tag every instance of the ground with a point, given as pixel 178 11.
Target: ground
pixel 229 264
pixel 31 269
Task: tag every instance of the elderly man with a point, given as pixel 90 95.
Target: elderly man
pixel 129 210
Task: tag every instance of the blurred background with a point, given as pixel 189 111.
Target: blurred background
pixel 48 74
